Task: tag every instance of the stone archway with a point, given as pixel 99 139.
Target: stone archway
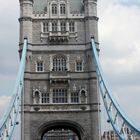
pixel 65 129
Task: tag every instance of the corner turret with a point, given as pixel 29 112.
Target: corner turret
pixel 90 7
pixel 91 19
pixel 26 10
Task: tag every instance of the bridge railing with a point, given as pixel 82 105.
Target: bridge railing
pixel 124 128
pixel 9 120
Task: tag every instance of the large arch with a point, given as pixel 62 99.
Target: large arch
pixel 73 126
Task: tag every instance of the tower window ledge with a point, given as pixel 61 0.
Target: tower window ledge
pixel 60 82
pixel 44 34
pixel 55 36
pixel 58 36
pixel 73 34
pixel 59 107
pixel 39 14
pixel 58 73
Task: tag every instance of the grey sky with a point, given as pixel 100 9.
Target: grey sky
pixel 119 35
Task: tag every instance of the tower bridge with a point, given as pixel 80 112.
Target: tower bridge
pixel 57 89
pixel 60 83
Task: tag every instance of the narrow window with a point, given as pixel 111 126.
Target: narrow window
pixel 59 64
pixel 40 67
pixel 62 9
pixel 45 27
pixel 60 96
pixel 63 26
pixel 79 66
pixel 44 98
pixel 72 26
pixel 54 9
pixel 54 26
pixel 74 97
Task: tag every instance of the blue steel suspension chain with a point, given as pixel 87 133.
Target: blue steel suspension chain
pixel 9 120
pixel 124 128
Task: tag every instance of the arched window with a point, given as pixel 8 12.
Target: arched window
pixel 62 9
pixel 59 64
pixel 54 26
pixel 54 9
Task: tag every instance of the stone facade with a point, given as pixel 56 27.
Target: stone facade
pixel 60 88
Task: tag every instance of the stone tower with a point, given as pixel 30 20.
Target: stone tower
pixel 60 99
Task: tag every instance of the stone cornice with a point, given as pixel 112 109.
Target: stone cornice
pixel 25 19
pixel 97 43
pixel 26 0
pixel 51 19
pixel 91 18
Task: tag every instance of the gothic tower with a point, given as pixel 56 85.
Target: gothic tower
pixel 60 99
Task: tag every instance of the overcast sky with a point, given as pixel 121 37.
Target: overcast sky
pixel 119 34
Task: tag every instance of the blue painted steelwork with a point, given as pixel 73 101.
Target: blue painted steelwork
pixel 8 122
pixel 124 128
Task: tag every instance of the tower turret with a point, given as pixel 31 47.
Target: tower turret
pixel 91 19
pixel 26 9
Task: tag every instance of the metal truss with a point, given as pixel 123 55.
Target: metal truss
pixel 124 128
pixel 9 120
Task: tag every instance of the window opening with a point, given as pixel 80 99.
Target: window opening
pixel 63 26
pixel 45 97
pixel 71 26
pixel 54 8
pixel 45 27
pixel 60 96
pixel 79 66
pixel 54 26
pixel 59 64
pixel 74 97
pixel 62 9
pixel 39 67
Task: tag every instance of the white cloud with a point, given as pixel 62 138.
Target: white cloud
pixel 4 101
pixel 9 13
pixel 119 35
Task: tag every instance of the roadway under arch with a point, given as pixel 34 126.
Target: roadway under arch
pixel 75 131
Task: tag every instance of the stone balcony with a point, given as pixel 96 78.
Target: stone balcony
pixel 59 77
pixel 60 107
pixel 59 73
pixel 56 36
